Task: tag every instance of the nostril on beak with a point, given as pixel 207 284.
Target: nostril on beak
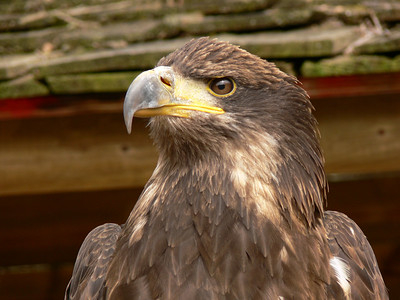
pixel 165 80
pixel 165 76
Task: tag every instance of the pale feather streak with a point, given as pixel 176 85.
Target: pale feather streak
pixel 342 273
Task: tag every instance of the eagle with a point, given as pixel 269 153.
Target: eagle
pixel 235 206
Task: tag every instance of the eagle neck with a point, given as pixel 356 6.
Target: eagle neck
pixel 258 175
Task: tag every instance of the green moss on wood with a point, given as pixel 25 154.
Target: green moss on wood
pixel 25 86
pixel 131 10
pixel 386 11
pixel 225 6
pixel 139 56
pixel 319 41
pixel 90 83
pixel 28 41
pixel 16 65
pixel 349 65
pixel 94 37
pixel 197 23
pixel 350 13
pixel 387 42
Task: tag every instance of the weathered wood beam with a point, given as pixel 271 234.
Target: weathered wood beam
pixel 85 152
pixel 360 135
pixel 352 85
pixel 85 146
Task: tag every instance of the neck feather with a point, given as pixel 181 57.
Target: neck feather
pixel 258 176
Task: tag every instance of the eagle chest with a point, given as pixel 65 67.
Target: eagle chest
pixel 198 244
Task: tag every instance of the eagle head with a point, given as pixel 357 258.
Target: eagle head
pixel 213 101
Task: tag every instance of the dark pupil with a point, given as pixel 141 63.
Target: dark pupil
pixel 222 86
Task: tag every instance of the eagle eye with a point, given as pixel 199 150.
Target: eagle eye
pixel 222 87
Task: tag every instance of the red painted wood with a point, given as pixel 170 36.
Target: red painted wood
pixel 353 85
pixel 317 88
pixel 53 106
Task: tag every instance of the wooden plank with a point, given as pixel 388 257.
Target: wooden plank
pixel 361 134
pixel 352 85
pixel 74 145
pixel 85 152
pixel 51 106
pixel 346 65
pixel 341 87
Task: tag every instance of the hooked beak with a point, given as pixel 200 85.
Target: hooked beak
pixel 159 92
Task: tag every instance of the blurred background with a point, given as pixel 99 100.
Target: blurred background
pixel 68 165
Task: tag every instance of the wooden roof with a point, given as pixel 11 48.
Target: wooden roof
pixel 66 47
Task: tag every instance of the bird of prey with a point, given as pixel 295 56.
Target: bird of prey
pixel 235 206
